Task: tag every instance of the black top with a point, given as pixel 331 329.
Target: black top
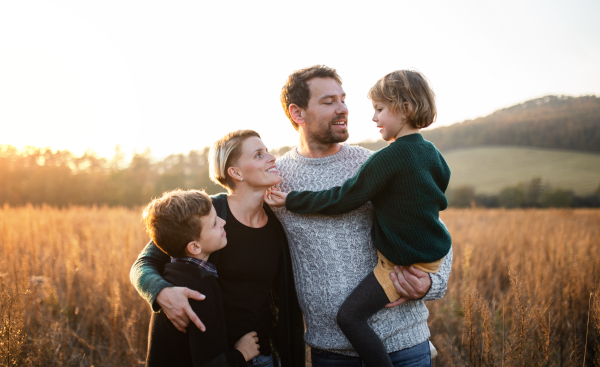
pixel 247 268
pixel 168 346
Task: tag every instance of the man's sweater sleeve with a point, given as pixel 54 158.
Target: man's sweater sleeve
pixel 439 280
pixel 146 274
pixel 371 179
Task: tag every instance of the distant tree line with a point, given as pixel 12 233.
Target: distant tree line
pixel 40 176
pixel 532 194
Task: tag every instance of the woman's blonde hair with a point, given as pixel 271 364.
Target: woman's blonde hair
pixel 409 86
pixel 224 154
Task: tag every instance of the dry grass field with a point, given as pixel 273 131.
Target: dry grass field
pixel 524 288
pixel 523 285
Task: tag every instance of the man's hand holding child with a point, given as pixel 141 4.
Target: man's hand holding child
pixel 410 282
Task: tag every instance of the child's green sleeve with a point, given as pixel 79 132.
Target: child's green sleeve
pixel 368 182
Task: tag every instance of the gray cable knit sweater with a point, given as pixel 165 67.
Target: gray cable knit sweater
pixel 332 254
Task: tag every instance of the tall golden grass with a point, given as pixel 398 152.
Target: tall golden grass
pixel 65 287
pixel 523 289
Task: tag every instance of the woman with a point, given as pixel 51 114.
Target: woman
pixel 254 269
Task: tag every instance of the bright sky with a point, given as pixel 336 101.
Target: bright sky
pixel 175 76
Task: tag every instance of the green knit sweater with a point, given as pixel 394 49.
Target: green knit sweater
pixel 406 182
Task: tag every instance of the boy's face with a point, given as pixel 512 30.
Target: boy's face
pixel 389 123
pixel 213 236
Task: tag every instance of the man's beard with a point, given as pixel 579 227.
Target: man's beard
pixel 331 136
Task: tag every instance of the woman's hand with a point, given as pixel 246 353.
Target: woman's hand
pixel 410 282
pixel 174 302
pixel 248 345
pixel 275 198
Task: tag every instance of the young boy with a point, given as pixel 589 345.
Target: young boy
pixel 185 226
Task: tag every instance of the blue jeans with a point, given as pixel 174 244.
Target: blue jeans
pixel 261 361
pixel 417 356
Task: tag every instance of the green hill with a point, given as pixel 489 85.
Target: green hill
pixel 491 169
pixel 550 122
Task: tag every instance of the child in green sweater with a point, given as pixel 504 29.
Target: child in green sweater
pixel 406 182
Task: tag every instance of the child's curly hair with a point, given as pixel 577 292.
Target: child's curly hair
pixel 410 86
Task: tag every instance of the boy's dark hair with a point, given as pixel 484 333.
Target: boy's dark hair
pixel 409 86
pixel 296 90
pixel 173 220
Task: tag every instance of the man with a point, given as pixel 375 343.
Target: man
pixel 332 254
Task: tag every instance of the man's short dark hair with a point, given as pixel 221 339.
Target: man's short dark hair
pixel 173 220
pixel 296 90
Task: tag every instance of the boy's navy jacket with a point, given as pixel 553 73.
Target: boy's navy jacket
pixel 287 327
pixel 168 346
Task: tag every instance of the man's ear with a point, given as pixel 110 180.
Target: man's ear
pixel 234 173
pixel 297 113
pixel 194 248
